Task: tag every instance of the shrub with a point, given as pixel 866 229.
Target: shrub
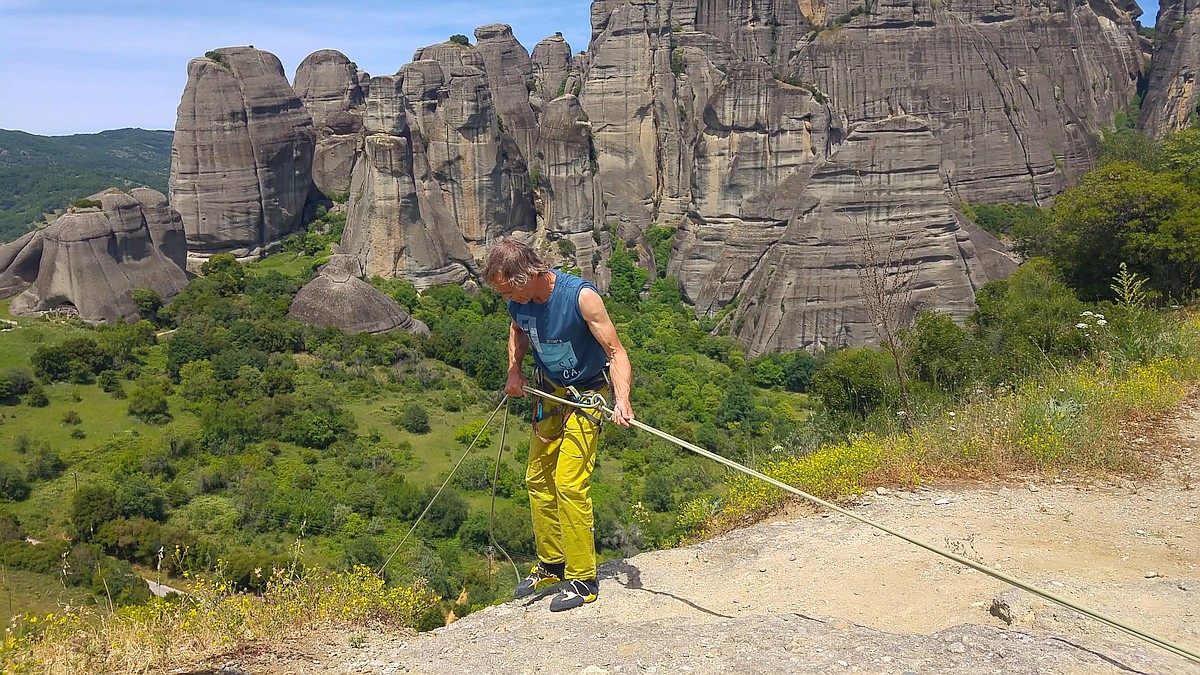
pixel 414 419
pixel 87 204
pixel 460 39
pixel 36 398
pixel 14 486
pixel 467 432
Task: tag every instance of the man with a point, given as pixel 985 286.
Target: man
pixel 574 345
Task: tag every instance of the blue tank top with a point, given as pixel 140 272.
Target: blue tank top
pixel 563 346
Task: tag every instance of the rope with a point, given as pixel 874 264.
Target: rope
pixel 495 480
pixel 445 483
pixel 595 400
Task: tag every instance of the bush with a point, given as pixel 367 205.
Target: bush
pixel 460 39
pixel 14 487
pixel 87 204
pixel 414 419
pixel 36 398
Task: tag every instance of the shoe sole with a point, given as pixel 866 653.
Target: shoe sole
pixel 540 587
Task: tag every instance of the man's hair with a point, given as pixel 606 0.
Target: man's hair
pixel 513 263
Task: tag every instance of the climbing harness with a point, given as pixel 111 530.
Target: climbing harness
pixel 595 401
pixel 574 408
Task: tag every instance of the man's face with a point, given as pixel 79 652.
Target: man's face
pixel 521 293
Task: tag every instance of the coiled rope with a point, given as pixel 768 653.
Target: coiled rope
pixel 596 401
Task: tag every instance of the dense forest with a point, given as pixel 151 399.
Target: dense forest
pixel 219 436
pixel 44 174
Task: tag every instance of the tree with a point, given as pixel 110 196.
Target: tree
pixel 415 419
pixel 148 402
pixel 887 272
pixel 939 351
pixel 148 303
pixel 14 487
pixel 627 279
pixel 467 432
pixel 855 382
pixel 1123 213
pixel 1027 321
pixel 92 505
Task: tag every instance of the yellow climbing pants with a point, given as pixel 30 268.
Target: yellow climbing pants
pixel 558 479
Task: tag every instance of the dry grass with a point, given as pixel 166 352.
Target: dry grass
pixel 212 622
pixel 1066 423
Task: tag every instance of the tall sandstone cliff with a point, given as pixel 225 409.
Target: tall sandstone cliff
pixel 242 159
pixel 782 140
pixel 1172 101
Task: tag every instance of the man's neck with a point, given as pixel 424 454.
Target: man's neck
pixel 543 285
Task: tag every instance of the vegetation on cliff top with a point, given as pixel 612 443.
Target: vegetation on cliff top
pixel 44 174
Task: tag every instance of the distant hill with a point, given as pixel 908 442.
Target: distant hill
pixel 41 174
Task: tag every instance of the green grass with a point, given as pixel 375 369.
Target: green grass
pixel 35 593
pixel 294 265
pixel 18 344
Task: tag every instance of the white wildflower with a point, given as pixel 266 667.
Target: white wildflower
pixel 1101 322
pixel 1081 325
pixel 1087 313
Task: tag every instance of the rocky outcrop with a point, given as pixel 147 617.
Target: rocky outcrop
pixel 1172 102
pixel 437 180
pixel 328 84
pixel 93 257
pixel 879 205
pixel 509 73
pixel 1016 92
pixel 241 164
pixel 339 297
pixel 750 127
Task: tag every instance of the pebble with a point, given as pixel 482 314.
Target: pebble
pixel 958 648
pixel 594 670
pixel 1151 574
pixel 882 491
pixel 942 501
pixel 1139 532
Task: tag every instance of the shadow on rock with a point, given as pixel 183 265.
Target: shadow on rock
pixel 633 582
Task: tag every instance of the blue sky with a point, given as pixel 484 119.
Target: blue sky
pixel 71 66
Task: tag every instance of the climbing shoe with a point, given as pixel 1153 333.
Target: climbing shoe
pixel 541 576
pixel 576 593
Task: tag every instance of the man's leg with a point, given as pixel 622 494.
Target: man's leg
pixel 544 508
pixel 576 460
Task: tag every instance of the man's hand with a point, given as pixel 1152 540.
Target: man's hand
pixel 516 380
pixel 622 413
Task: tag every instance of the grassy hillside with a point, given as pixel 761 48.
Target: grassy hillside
pixel 40 174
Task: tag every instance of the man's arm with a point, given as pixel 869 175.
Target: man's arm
pixel 518 346
pixel 596 316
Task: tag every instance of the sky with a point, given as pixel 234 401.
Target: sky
pixel 82 66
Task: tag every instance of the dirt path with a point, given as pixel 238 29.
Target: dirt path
pixel 812 593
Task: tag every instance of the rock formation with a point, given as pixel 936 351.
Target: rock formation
pixel 93 257
pixel 437 179
pixel 1016 92
pixel 1172 102
pixel 763 132
pixel 339 297
pixel 241 165
pixel 879 202
pixel 328 84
